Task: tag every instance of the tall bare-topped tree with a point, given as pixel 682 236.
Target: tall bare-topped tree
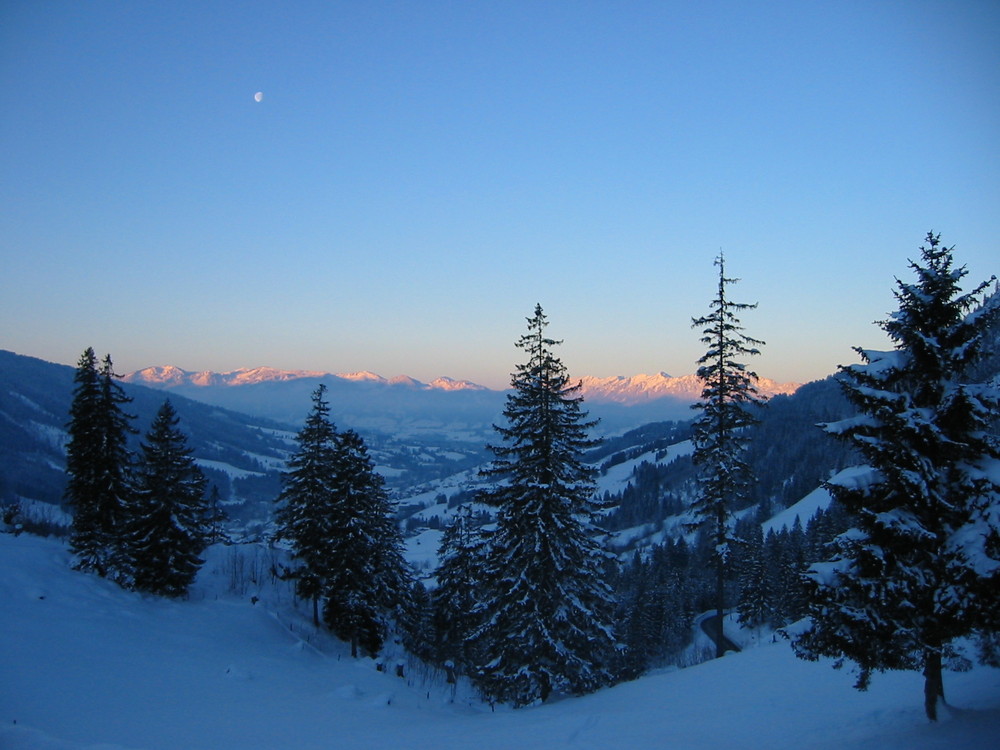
pixel 729 391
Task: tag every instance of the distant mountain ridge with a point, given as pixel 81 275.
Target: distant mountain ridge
pixel 642 388
pixel 168 376
pixel 622 390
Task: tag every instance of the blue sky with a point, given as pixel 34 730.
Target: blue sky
pixel 420 174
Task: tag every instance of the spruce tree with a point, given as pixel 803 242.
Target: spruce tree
pixel 99 466
pixel 755 605
pixel 416 623
pixel 83 487
pixel 305 517
pixel 216 517
pixel 337 516
pixel 720 432
pixel 461 557
pixel 166 523
pixel 546 609
pixel 921 567
pixel 368 581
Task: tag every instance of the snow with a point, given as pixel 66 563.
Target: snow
pixel 225 468
pixel 642 388
pixel 806 508
pixel 617 477
pixel 421 550
pixel 53 436
pixel 880 361
pixel 87 664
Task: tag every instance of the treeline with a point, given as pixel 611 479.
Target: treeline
pixel 661 588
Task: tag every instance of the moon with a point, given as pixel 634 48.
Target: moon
pixel 259 96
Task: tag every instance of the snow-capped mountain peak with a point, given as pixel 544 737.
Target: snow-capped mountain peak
pixel 450 384
pixel 362 377
pixel 623 390
pixel 169 376
pixel 163 377
pixel 641 388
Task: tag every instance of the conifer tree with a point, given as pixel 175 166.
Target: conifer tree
pixel 165 530
pixel 416 623
pixel 338 518
pixel 368 582
pixel 99 466
pixel 216 517
pixel 755 605
pixel 546 609
pixel 305 517
pixel 83 488
pixel 720 432
pixel 461 557
pixel 921 567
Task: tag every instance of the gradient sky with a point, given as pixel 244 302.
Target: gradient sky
pixel 420 174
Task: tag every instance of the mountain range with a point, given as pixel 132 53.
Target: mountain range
pixel 405 406
pixel 168 376
pixel 620 389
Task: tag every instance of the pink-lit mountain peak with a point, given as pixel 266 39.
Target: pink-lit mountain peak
pixel 618 389
pixel 168 376
pixel 637 389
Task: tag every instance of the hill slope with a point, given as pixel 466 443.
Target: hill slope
pixel 240 454
pixel 89 664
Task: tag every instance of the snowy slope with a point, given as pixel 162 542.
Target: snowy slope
pixel 86 665
pixel 616 478
pixel 819 498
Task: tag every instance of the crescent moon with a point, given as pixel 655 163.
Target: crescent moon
pixel 259 96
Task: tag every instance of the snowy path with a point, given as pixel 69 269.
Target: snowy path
pixel 710 627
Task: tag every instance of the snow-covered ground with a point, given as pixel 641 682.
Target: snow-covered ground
pixel 820 497
pixel 87 665
pixel 619 476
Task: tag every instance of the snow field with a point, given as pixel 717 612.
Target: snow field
pixel 87 665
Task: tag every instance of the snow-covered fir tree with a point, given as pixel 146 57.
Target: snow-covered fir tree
pixel 720 432
pixel 461 557
pixel 306 514
pixel 338 518
pixel 165 529
pixel 656 596
pixel 545 614
pixel 99 466
pixel 83 486
pixel 754 608
pixel 368 583
pixel 921 566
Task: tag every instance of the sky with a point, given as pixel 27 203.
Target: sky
pixel 418 175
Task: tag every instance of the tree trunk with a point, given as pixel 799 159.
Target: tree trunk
pixel 933 682
pixel 316 611
pixel 720 609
